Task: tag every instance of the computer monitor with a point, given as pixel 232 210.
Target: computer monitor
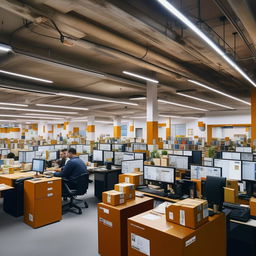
pixel 120 156
pixel 105 146
pixel 244 149
pixel 38 165
pixel 187 153
pixel 27 156
pixel 98 155
pixel 128 166
pixel 199 172
pixel 179 162
pixel 140 156
pixel 197 157
pixel 249 171
pixel 214 191
pixel 159 174
pixel 84 158
pixel 231 169
pixel 231 155
pixel 108 155
pixel 53 155
pixel 246 156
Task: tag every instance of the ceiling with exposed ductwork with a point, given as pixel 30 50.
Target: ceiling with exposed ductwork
pixel 83 47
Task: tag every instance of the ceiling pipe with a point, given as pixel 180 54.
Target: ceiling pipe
pixel 244 13
pixel 136 54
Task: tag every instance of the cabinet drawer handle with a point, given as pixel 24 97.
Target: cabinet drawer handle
pixel 50 194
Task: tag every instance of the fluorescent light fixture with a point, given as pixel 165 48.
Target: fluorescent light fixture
pixel 60 106
pixel 25 76
pixel 181 105
pixel 206 101
pixel 41 114
pixel 138 98
pixel 5 48
pixel 182 117
pixel 38 110
pixel 28 117
pixel 79 120
pixel 104 122
pixel 219 92
pixel 13 104
pixel 96 99
pixel 192 26
pixel 141 77
pixel 8 121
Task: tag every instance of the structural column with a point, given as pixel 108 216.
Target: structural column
pixel 152 114
pixel 131 129
pixel 117 127
pixel 90 129
pixel 168 129
pixel 253 117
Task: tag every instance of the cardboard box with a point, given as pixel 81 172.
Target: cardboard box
pixel 150 234
pixel 137 170
pixel 113 197
pixel 164 161
pixel 112 225
pixel 127 188
pixel 232 184
pixel 198 187
pixel 26 166
pixel 230 195
pixel 134 178
pixel 191 213
pixel 253 206
pixel 157 161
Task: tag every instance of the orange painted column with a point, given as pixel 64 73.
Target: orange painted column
pixel 209 134
pixel 131 129
pixel 90 129
pixel 117 128
pixel 168 129
pixel 152 114
pixel 253 117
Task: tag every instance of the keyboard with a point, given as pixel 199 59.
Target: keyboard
pixel 152 191
pixel 238 212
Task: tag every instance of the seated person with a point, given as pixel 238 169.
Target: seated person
pixel 11 155
pixel 63 158
pixel 74 168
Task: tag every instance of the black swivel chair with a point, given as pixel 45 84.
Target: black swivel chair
pixel 14 198
pixel 82 183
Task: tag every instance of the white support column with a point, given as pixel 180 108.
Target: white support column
pixel 131 129
pixel 90 129
pixel 152 114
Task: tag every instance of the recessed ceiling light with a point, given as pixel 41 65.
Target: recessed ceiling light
pixel 5 48
pixel 96 99
pixel 141 77
pixel 38 110
pixel 25 76
pixel 192 26
pixel 219 92
pixel 60 106
pixel 41 114
pixel 181 105
pixel 206 101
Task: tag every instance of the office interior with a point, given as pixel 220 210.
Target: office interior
pixel 128 128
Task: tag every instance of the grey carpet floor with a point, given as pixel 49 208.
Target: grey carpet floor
pixel 74 235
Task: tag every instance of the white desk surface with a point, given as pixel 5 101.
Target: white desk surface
pixel 250 222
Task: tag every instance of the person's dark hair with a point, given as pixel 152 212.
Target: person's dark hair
pixel 72 151
pixel 64 150
pixel 11 155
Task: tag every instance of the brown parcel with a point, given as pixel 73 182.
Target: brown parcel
pixel 190 213
pixel 113 197
pixel 134 178
pixel 127 188
pixel 151 234
pixel 253 206
pixel 112 225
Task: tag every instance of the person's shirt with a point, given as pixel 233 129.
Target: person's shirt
pixel 73 169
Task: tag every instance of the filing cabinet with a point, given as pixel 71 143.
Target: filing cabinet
pixel 42 201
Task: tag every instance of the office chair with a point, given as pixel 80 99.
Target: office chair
pixel 82 184
pixel 14 198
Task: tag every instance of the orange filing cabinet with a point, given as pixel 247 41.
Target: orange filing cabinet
pixel 112 224
pixel 150 234
pixel 42 201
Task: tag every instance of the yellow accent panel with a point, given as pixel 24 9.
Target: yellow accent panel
pixel 65 125
pixel 152 132
pixel 162 124
pixel 75 129
pixel 131 128
pixel 201 124
pixel 15 129
pixel 117 131
pixel 59 125
pixel 90 128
